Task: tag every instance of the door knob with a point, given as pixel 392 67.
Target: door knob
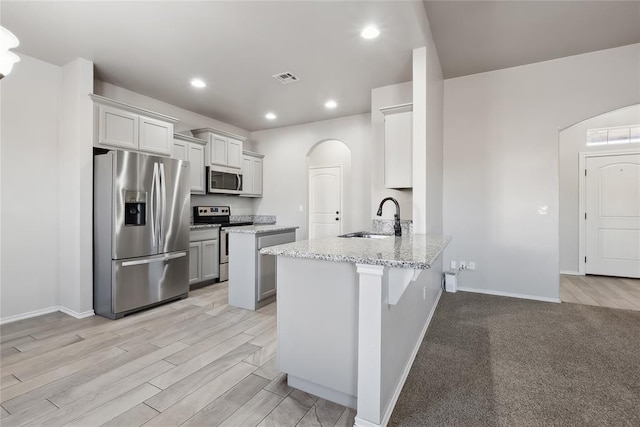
pixel 337 219
pixel 337 212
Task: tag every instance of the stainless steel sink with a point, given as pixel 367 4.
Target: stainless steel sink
pixel 366 235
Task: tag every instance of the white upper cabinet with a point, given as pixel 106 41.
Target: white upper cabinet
pixel 234 153
pixel 122 125
pixel 196 157
pixel 218 151
pixel 192 150
pixel 117 127
pixel 398 146
pixel 247 175
pixel 223 148
pixel 156 136
pixel 252 174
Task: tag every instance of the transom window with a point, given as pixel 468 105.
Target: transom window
pixel 613 135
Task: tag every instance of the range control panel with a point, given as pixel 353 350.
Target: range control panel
pixel 204 211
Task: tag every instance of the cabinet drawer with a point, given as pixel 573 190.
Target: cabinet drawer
pixel 276 239
pixel 198 235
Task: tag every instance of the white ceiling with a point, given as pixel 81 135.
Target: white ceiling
pixel 155 48
pixel 477 36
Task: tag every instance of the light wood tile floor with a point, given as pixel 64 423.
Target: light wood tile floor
pixel 603 291
pixel 194 362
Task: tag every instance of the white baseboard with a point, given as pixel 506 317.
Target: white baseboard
pixel 570 273
pixel 15 318
pixel 75 314
pixel 36 313
pixel 509 294
pixel 407 368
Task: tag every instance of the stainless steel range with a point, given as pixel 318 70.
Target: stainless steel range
pixel 218 215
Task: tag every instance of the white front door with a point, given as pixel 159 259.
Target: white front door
pixel 613 215
pixel 325 201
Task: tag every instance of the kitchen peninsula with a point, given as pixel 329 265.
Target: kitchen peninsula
pixel 352 313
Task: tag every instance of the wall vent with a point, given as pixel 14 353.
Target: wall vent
pixel 286 77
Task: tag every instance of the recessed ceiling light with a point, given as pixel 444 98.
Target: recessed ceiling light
pixel 270 116
pixel 331 104
pixel 370 32
pixel 198 83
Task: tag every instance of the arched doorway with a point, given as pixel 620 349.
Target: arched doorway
pixel 599 179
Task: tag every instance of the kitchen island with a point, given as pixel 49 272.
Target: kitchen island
pixel 352 313
pixel 252 276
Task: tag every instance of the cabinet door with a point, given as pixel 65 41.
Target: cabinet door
pixel 398 131
pixel 234 153
pixel 117 128
pixel 266 276
pixel 196 157
pixel 180 150
pixel 218 150
pixel 156 136
pixel 210 259
pixel 257 177
pixel 247 175
pixel 195 267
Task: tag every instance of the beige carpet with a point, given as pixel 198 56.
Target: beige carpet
pixel 496 361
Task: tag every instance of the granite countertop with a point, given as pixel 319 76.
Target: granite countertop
pixel 259 229
pixel 199 226
pixel 412 251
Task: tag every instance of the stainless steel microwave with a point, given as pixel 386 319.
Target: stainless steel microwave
pixel 221 180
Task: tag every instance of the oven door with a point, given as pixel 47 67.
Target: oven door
pixel 224 181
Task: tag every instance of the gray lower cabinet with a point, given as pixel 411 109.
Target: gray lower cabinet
pixel 204 255
pixel 195 255
pixel 252 276
pixel 210 256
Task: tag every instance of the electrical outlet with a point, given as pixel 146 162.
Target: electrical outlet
pixel 463 265
pixel 453 265
pixel 472 265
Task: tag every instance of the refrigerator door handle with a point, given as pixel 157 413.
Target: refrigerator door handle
pixel 163 204
pixel 154 259
pixel 152 204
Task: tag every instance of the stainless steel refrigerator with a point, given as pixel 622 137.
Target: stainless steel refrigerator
pixel 141 231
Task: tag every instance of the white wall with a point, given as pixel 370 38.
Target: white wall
pixel 29 266
pixel 75 186
pixel 428 94
pixel 573 141
pixel 385 97
pixel 285 169
pixel 501 162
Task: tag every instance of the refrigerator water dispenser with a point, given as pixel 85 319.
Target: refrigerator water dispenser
pixel 135 207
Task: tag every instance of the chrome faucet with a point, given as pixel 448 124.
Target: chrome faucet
pixel 396 216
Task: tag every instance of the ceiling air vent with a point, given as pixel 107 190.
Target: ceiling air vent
pixel 285 78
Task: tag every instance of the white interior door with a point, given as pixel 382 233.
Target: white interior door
pixel 325 201
pixel 613 215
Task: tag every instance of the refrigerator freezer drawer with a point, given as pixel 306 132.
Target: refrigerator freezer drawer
pixel 144 281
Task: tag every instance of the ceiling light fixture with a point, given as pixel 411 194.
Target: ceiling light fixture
pixel 331 104
pixel 370 32
pixel 270 116
pixel 198 83
pixel 7 59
